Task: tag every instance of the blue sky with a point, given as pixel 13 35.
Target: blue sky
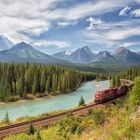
pixel 57 25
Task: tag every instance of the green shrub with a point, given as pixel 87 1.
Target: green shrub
pixel 21 136
pixel 37 135
pixel 99 116
pixel 134 95
pixel 6 119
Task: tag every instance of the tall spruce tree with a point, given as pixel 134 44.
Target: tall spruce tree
pixel 35 86
pixel 42 82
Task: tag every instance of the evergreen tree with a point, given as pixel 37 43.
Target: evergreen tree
pixel 31 129
pixel 20 86
pixel 54 83
pixel 42 82
pixel 82 101
pixel 47 87
pixel 35 86
pixel 113 81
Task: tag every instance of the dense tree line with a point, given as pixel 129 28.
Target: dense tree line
pixel 129 74
pixel 100 77
pixel 22 79
pixel 115 80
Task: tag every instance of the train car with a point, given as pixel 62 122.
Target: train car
pixel 122 90
pixel 112 93
pixel 105 95
pixel 109 94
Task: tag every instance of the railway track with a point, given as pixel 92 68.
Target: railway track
pixel 44 122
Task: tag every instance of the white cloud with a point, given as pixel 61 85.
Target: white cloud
pixel 60 44
pixel 124 11
pixel 95 8
pixel 138 1
pixel 127 44
pixel 136 13
pixel 34 17
pixel 18 16
pixel 65 24
pixel 122 34
pixel 111 34
pixel 12 27
pixel 93 22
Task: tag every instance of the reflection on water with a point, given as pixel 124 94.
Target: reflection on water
pixel 98 85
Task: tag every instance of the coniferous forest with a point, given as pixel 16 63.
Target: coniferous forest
pixel 129 74
pixel 19 80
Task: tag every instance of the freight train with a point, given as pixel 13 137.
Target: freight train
pixel 112 93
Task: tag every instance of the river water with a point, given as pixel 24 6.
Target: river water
pixel 50 104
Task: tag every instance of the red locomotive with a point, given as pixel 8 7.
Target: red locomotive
pixel 109 94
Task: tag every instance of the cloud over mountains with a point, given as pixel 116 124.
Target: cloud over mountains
pixel 36 20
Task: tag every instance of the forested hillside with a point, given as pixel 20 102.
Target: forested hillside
pixel 18 80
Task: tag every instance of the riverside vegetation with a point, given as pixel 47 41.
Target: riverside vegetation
pixel 117 121
pixel 23 80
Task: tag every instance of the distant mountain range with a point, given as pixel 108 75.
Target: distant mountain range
pixel 5 43
pixel 104 57
pixel 23 52
pixel 127 56
pixel 61 55
pixel 81 55
pixel 86 56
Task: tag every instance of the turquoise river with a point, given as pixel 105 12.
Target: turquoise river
pixel 50 104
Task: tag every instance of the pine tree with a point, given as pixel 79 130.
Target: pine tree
pixel 82 101
pixel 47 87
pixel 63 85
pixel 31 129
pixel 113 81
pixel 20 86
pixel 54 83
pixel 35 86
pixel 42 82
